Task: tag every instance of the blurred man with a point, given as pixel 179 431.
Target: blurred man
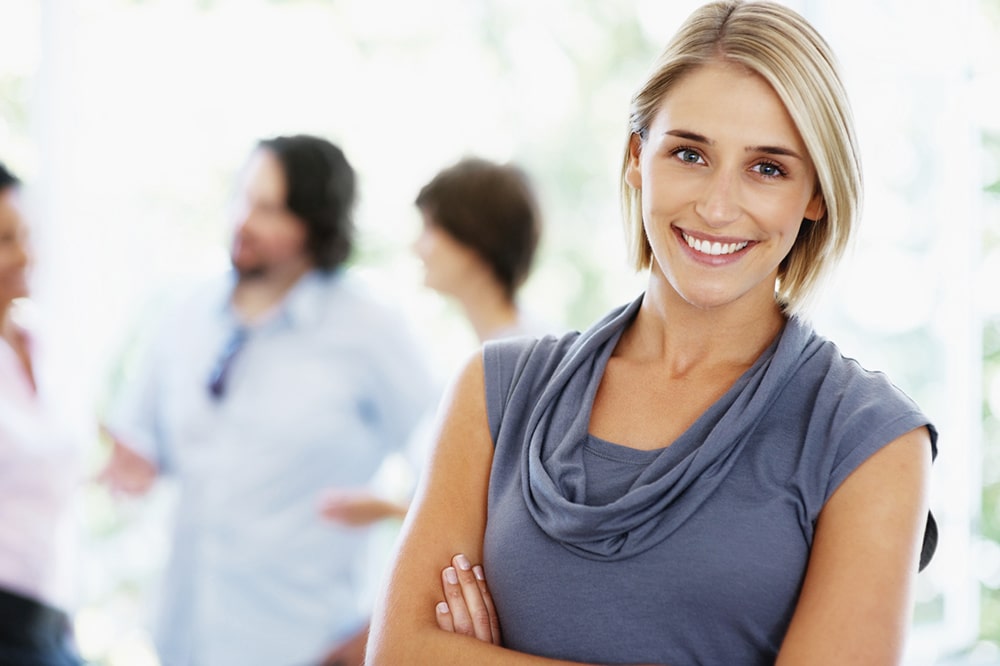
pixel 260 393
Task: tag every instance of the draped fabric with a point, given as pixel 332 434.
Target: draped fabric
pixel 553 480
pixel 691 553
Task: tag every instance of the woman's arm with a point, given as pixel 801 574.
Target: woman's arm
pixel 857 597
pixel 447 516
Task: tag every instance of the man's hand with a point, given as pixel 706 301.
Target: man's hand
pixel 357 507
pixel 126 472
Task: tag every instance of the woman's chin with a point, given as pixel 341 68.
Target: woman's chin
pixel 706 300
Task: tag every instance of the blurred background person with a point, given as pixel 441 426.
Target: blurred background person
pixel 278 381
pixel 40 469
pixel 481 227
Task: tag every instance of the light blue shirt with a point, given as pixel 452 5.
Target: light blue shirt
pixel 317 397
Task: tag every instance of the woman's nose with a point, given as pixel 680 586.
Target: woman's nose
pixel 420 244
pixel 719 203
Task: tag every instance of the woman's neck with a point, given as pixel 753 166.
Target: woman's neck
pixel 9 330
pixel 487 307
pixel 670 330
pixel 14 336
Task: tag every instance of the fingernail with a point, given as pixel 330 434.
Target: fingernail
pixel 463 562
pixel 442 608
pixel 451 575
pixel 478 572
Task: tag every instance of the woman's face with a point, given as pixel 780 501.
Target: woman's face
pixel 14 251
pixel 725 182
pixel 448 263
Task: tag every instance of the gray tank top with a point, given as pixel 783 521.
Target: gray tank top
pixel 690 554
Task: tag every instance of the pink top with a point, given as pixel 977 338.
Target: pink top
pixel 39 473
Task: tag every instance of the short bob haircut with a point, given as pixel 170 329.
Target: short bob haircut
pixel 781 47
pixel 321 192
pixel 490 208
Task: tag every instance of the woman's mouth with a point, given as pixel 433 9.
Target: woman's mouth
pixel 712 248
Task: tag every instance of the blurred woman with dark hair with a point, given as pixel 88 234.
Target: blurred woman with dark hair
pixel 39 470
pixel 481 227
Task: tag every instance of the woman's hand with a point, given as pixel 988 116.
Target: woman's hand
pixel 468 607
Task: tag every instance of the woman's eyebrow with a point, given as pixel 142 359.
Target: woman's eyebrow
pixel 701 138
pixel 690 136
pixel 774 150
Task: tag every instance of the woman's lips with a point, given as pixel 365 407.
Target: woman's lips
pixel 714 251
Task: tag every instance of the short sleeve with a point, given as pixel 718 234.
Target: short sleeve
pixel 513 363
pixel 871 413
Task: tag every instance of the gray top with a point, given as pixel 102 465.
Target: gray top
pixel 689 554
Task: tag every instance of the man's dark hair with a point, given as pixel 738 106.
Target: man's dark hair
pixel 491 208
pixel 321 192
pixel 7 179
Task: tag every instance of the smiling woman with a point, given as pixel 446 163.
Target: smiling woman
pixel 546 85
pixel 791 120
pixel 731 487
pixel 724 199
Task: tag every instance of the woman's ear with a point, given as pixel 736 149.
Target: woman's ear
pixel 816 208
pixel 633 173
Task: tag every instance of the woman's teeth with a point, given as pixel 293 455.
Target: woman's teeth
pixel 716 248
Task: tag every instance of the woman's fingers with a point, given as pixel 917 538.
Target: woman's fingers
pixel 471 613
pixel 484 590
pixel 443 616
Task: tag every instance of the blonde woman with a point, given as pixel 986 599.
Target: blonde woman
pixel 700 478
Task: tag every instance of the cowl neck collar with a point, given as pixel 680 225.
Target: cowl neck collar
pixel 552 467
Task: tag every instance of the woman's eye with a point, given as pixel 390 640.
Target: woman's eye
pixel 769 170
pixel 687 155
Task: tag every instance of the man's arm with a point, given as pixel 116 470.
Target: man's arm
pixel 126 471
pixel 357 507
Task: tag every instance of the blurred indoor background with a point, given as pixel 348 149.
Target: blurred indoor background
pixel 128 119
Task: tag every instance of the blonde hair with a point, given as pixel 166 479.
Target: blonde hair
pixel 779 45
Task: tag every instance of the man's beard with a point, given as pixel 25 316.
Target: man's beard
pixel 250 273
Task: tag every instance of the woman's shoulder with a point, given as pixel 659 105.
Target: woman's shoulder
pixel 516 370
pixel 526 351
pixel 844 378
pixel 859 403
